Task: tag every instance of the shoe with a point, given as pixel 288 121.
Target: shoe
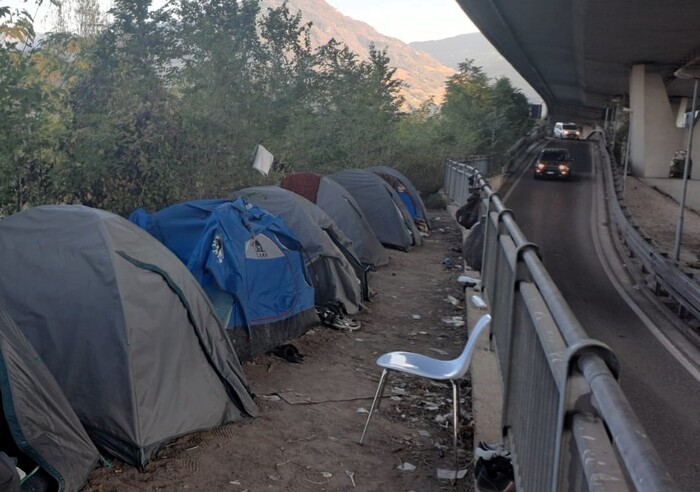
pixel 289 353
pixel 337 320
pixel 340 322
pixel 489 451
pixel 494 475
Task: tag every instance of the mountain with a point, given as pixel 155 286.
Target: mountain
pixel 454 50
pixel 424 76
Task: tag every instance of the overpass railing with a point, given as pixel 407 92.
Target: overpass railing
pixel 455 185
pixel 565 419
pixel 679 284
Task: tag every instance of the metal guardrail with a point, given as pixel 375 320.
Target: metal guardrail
pixel 679 284
pixel 456 185
pixel 487 165
pixel 565 419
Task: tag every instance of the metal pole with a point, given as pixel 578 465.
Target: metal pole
pixel 679 226
pixel 605 127
pixel 627 155
pixel 613 121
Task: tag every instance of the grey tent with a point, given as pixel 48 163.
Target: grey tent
pixel 329 251
pixel 382 206
pixel 410 188
pixel 9 478
pixel 340 206
pixel 38 427
pixel 123 326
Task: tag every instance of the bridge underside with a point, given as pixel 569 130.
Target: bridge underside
pixel 578 54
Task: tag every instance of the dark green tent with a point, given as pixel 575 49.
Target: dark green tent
pixel 382 207
pixel 38 427
pixel 124 327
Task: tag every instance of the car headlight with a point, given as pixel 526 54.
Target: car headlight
pixel 563 167
pixel 540 166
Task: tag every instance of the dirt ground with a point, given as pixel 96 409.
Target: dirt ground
pixel 312 414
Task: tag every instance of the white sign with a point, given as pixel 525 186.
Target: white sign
pixel 262 161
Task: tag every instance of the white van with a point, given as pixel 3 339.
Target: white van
pixel 567 130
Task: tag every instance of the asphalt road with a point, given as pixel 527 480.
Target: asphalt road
pixel 556 215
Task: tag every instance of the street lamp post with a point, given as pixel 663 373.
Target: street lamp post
pixel 685 73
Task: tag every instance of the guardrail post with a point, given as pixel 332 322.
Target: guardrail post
pixel 490 245
pixel 570 400
pixel 496 261
pixel 446 181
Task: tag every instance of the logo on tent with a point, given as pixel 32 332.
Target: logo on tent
pixel 259 250
pixel 262 247
pixel 217 247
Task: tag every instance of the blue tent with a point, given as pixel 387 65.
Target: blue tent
pixel 408 202
pixel 248 262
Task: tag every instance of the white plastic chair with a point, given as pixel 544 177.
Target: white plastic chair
pixel 435 369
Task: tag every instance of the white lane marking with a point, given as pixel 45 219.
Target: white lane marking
pixel 613 277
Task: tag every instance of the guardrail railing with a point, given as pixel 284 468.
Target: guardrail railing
pixel 565 419
pixel 679 284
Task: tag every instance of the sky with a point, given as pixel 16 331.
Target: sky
pixel 407 20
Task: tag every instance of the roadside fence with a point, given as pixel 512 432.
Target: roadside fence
pixel 670 278
pixel 565 418
pixel 456 183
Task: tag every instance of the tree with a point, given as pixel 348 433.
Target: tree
pixel 482 116
pixel 84 18
pixel 513 113
pixel 247 77
pixel 217 69
pixel 167 105
pixel 31 117
pixel 351 119
pixel 124 129
pixel 466 109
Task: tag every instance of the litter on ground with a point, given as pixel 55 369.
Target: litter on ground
pixel 444 474
pixel 454 321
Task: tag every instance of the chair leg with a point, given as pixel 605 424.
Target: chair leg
pixel 377 400
pixel 455 421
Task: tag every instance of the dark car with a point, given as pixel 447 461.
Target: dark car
pixel 553 163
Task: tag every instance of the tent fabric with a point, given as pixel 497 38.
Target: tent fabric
pixel 122 325
pixel 240 249
pixel 401 190
pixel 247 261
pixel 347 214
pixel 9 478
pixel 330 256
pixel 420 211
pixel 382 206
pixel 304 184
pixel 43 430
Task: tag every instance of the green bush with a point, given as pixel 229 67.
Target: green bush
pixel 436 201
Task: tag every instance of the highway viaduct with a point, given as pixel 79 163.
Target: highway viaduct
pixel 592 60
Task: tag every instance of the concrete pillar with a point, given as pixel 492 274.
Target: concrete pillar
pixel 654 134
